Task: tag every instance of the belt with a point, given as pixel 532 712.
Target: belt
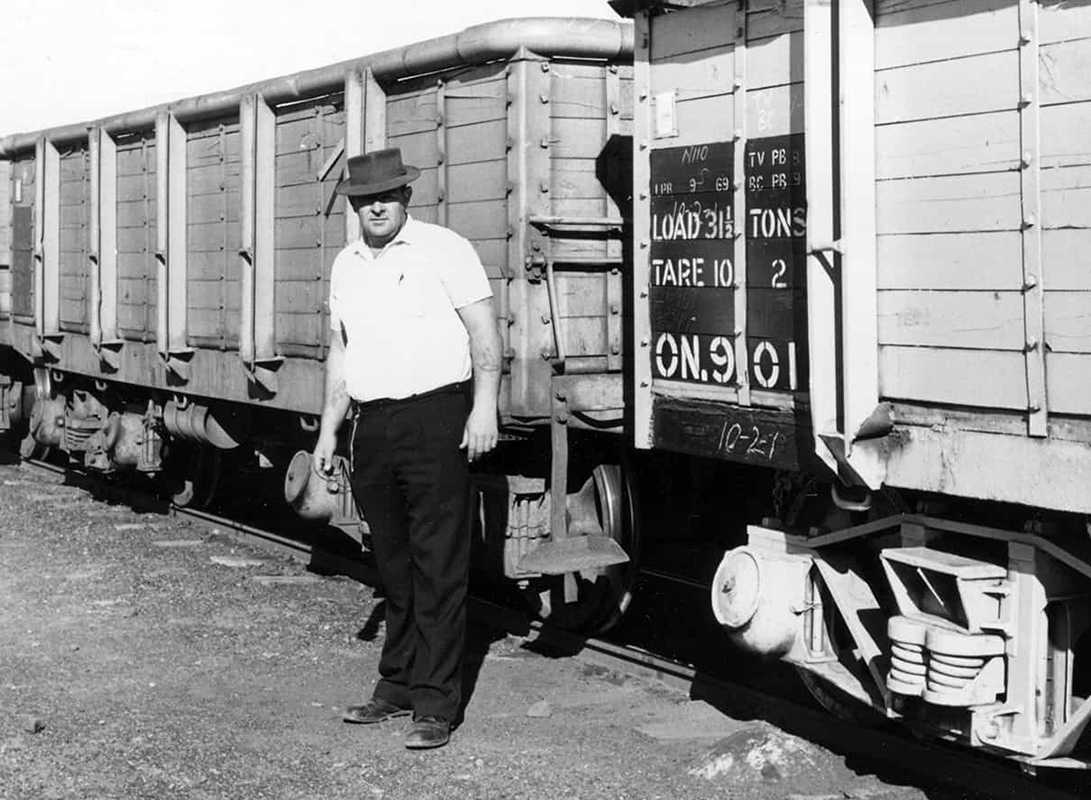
pixel 383 402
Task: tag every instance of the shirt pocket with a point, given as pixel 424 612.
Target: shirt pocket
pixel 421 294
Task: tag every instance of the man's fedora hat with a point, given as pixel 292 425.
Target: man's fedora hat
pixel 376 172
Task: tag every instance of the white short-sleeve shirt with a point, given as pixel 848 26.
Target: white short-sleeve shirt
pixel 399 311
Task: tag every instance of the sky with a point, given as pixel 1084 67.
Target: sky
pixel 68 61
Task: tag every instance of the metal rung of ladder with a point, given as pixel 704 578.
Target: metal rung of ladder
pixel 547 221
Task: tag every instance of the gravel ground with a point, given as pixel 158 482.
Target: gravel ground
pixel 143 656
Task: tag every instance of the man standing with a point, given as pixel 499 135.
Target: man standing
pixel 413 322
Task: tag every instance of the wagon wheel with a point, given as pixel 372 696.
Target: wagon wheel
pixel 834 700
pixel 31 450
pixel 604 593
pixel 198 471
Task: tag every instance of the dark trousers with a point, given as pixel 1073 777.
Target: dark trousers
pixel 412 483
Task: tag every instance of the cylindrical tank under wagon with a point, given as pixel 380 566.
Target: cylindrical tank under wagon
pixel 857 249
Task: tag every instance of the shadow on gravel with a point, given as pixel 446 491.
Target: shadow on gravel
pixel 936 769
pixel 370 631
pixel 479 638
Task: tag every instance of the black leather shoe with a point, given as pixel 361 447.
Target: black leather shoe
pixel 374 710
pixel 427 732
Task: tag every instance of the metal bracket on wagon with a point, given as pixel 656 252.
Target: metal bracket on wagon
pixel 109 354
pixel 177 362
pixel 49 346
pixel 262 372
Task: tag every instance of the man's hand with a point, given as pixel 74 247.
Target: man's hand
pixel 480 434
pixel 323 453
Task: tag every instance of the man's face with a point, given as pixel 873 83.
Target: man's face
pixel 382 215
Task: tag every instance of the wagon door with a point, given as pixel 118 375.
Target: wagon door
pixel 721 364
pixel 755 245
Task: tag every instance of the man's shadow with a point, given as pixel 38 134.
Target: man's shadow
pixel 370 631
pixel 479 637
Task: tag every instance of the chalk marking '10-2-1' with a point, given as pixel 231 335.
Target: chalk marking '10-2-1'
pixel 749 440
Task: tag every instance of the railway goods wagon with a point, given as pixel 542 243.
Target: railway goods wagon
pixel 860 261
pixel 824 260
pixel 5 289
pixel 170 267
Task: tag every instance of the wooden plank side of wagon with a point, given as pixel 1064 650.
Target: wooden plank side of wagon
pixel 1066 220
pixel 73 266
pixel 5 212
pixel 1064 254
pixel 773 17
pixel 23 288
pixel 5 246
pixel 989 142
pixel 921 31
pixel 976 320
pixel 950 261
pixel 971 85
pixel 949 204
pixel 949 144
pixel 1069 383
pixel 308 225
pixel 1064 21
pixel 976 378
pixel 696 30
pixel 1068 322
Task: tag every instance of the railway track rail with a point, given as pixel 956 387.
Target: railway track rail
pixel 897 756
